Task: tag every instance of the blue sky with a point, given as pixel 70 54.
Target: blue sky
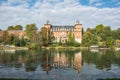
pixel 60 12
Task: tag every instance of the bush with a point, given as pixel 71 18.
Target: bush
pixel 33 46
pixel 76 44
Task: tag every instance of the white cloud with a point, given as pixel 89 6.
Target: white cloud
pixel 21 3
pixel 99 4
pixel 93 1
pixel 61 13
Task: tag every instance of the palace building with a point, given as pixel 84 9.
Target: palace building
pixel 61 32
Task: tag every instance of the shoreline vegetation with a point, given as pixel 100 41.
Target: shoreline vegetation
pixel 11 48
pixel 101 37
pixel 38 79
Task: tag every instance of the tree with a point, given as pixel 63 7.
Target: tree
pixel 10 28
pixel 71 39
pixel 106 33
pixel 47 36
pixel 118 33
pixel 109 42
pixel 44 36
pixel 99 29
pixel 50 37
pixel 6 38
pixel 38 39
pixel 18 27
pixel 89 39
pixel 82 31
pixel 12 37
pixel 30 30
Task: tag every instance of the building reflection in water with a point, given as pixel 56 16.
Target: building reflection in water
pixel 60 60
pixel 47 60
pixel 78 61
pixel 63 61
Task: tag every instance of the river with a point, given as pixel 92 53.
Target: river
pixel 60 64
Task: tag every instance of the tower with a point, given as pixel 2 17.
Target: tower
pixel 78 32
pixel 47 25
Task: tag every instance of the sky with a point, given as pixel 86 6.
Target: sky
pixel 60 12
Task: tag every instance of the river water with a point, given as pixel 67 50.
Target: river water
pixel 60 64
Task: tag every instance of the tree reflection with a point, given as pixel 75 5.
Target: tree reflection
pixel 46 59
pixel 103 59
pixel 60 59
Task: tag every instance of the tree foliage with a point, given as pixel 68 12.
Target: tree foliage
pixel 18 27
pixel 31 30
pixel 10 28
pixel 71 40
pixel 89 39
pixel 101 35
pixel 47 36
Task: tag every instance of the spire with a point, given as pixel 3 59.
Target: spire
pixel 47 22
pixel 77 22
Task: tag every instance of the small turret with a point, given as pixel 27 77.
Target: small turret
pixel 47 22
pixel 78 25
pixel 77 22
pixel 78 31
pixel 47 25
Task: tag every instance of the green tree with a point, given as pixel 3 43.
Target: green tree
pixel 44 36
pixel 18 27
pixel 5 37
pixel 16 41
pixel 31 30
pixel 38 39
pixel 47 36
pixel 71 39
pixel 117 32
pixel 89 38
pixel 82 31
pixel 12 37
pixel 106 33
pixel 10 28
pixel 99 30
pixel 109 42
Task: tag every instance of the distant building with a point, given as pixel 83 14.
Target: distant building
pixel 18 33
pixel 61 32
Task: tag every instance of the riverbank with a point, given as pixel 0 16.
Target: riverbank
pixel 68 47
pixel 12 48
pixel 81 48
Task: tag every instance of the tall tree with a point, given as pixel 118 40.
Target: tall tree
pixel 99 29
pixel 30 30
pixel 6 38
pixel 47 36
pixel 38 39
pixel 44 34
pixel 71 39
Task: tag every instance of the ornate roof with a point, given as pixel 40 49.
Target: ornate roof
pixel 61 28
